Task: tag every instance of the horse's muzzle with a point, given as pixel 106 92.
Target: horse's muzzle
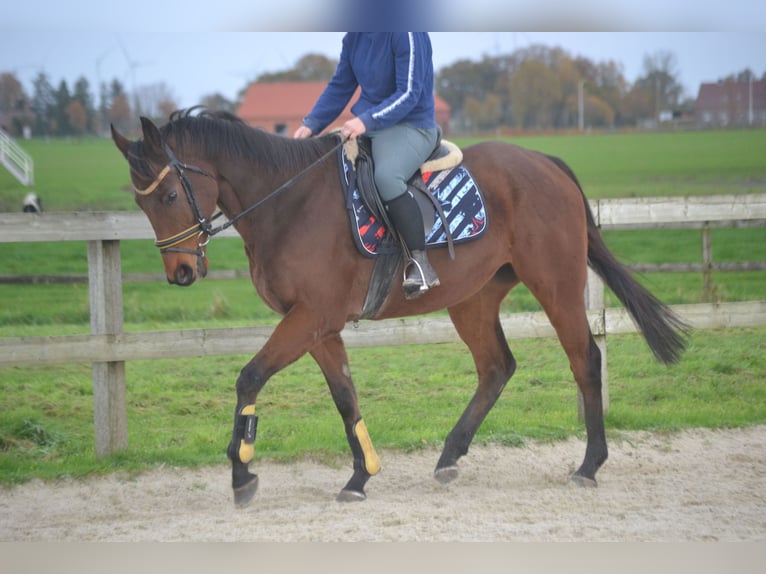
pixel 184 276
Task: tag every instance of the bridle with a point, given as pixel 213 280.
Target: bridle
pixel 203 227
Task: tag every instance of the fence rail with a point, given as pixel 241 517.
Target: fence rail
pixel 108 347
pixel 131 346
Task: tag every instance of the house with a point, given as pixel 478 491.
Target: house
pixel 280 107
pixel 732 104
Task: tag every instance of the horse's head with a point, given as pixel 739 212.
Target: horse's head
pixel 177 197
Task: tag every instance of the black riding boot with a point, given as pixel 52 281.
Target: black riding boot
pixel 419 276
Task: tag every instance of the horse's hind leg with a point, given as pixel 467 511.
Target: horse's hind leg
pixel 568 317
pixel 596 451
pixel 585 361
pixel 477 322
pixel 331 357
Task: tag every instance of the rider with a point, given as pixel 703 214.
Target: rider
pixel 396 111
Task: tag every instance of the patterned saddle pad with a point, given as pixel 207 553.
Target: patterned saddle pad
pixel 456 191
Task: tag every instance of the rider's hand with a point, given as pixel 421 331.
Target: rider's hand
pixel 352 128
pixel 302 132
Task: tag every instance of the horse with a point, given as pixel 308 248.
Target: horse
pixel 283 197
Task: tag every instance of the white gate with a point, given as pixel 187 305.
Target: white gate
pixel 16 160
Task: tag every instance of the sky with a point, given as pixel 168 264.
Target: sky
pixel 206 53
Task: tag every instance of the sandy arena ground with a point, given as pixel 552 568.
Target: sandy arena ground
pixel 691 486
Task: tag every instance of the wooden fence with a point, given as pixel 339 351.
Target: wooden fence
pixel 107 347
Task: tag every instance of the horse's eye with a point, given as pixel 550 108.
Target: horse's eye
pixel 171 196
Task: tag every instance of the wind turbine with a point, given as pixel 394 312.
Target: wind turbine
pixel 132 66
pixel 102 113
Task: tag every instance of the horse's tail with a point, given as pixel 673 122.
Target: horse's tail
pixel 664 331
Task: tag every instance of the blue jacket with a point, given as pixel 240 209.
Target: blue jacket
pixel 395 72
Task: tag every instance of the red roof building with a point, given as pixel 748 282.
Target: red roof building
pixel 730 104
pixel 280 107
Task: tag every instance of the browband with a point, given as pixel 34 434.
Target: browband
pixel 155 183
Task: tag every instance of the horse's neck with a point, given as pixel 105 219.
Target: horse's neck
pixel 241 189
pixel 284 197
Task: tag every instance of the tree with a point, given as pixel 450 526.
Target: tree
pixel 534 90
pixel 605 82
pixel 218 102
pixel 636 106
pixel 12 96
pixel 483 115
pixel 77 117
pixel 119 112
pixel 612 86
pixel 659 82
pixel 598 112
pixel 62 127
pixel 316 68
pixel 83 96
pixel 309 68
pixel 165 107
pixel 43 104
pixel 743 76
pixel 101 118
pixel 156 101
pixel 465 79
pixel 565 111
pixel 14 104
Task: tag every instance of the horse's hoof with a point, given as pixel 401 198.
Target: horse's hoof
pixel 445 475
pixel 584 481
pixel 350 496
pixel 245 493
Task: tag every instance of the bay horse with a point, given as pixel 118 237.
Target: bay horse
pixel 283 197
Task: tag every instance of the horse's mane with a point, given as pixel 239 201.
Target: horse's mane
pixel 219 134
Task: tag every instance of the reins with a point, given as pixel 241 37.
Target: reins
pixel 202 226
pixel 276 192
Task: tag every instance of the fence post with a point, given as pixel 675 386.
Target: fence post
pixel 594 301
pixel 707 264
pixel 106 318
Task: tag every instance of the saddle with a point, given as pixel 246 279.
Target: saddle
pixel 445 155
pixel 451 205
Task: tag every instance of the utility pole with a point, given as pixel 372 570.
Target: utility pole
pixel 750 100
pixel 580 105
pixel 657 98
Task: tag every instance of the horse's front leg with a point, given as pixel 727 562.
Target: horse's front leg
pixel 331 357
pixel 292 338
pixel 241 449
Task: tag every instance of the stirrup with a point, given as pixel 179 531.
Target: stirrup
pixel 416 286
pixel 420 282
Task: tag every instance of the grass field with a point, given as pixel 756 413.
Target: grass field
pixel 180 410
pixel 661 164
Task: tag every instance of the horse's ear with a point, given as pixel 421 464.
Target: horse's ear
pixel 120 141
pixel 152 136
